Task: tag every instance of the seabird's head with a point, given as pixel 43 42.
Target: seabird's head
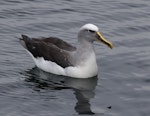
pixel 91 33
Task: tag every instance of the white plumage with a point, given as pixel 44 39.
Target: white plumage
pixel 58 57
pixel 87 69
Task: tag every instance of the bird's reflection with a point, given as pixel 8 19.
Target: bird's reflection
pixel 84 89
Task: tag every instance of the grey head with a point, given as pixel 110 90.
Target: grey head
pixel 90 33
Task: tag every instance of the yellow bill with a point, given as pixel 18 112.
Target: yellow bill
pixel 103 40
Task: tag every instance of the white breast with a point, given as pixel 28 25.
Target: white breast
pixel 86 69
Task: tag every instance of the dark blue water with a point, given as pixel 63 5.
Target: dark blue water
pixel 122 87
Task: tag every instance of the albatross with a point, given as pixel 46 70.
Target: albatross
pixel 56 56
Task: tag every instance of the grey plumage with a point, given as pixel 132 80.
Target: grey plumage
pixel 51 49
pixel 59 57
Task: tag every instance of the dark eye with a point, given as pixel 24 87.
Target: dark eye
pixel 91 31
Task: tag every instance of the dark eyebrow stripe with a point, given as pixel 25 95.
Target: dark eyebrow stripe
pixel 91 31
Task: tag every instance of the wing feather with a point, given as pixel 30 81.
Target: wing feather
pixel 51 49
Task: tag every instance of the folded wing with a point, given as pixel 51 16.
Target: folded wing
pixel 51 49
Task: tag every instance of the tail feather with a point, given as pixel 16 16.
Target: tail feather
pixel 24 40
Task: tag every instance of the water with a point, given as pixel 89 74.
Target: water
pixel 122 87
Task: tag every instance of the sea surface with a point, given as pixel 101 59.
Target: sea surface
pixel 122 87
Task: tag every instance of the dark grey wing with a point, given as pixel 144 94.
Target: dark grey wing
pixel 48 51
pixel 58 42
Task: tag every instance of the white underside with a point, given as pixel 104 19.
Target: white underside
pixel 87 69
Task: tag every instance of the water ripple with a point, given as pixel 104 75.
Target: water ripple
pixel 123 79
